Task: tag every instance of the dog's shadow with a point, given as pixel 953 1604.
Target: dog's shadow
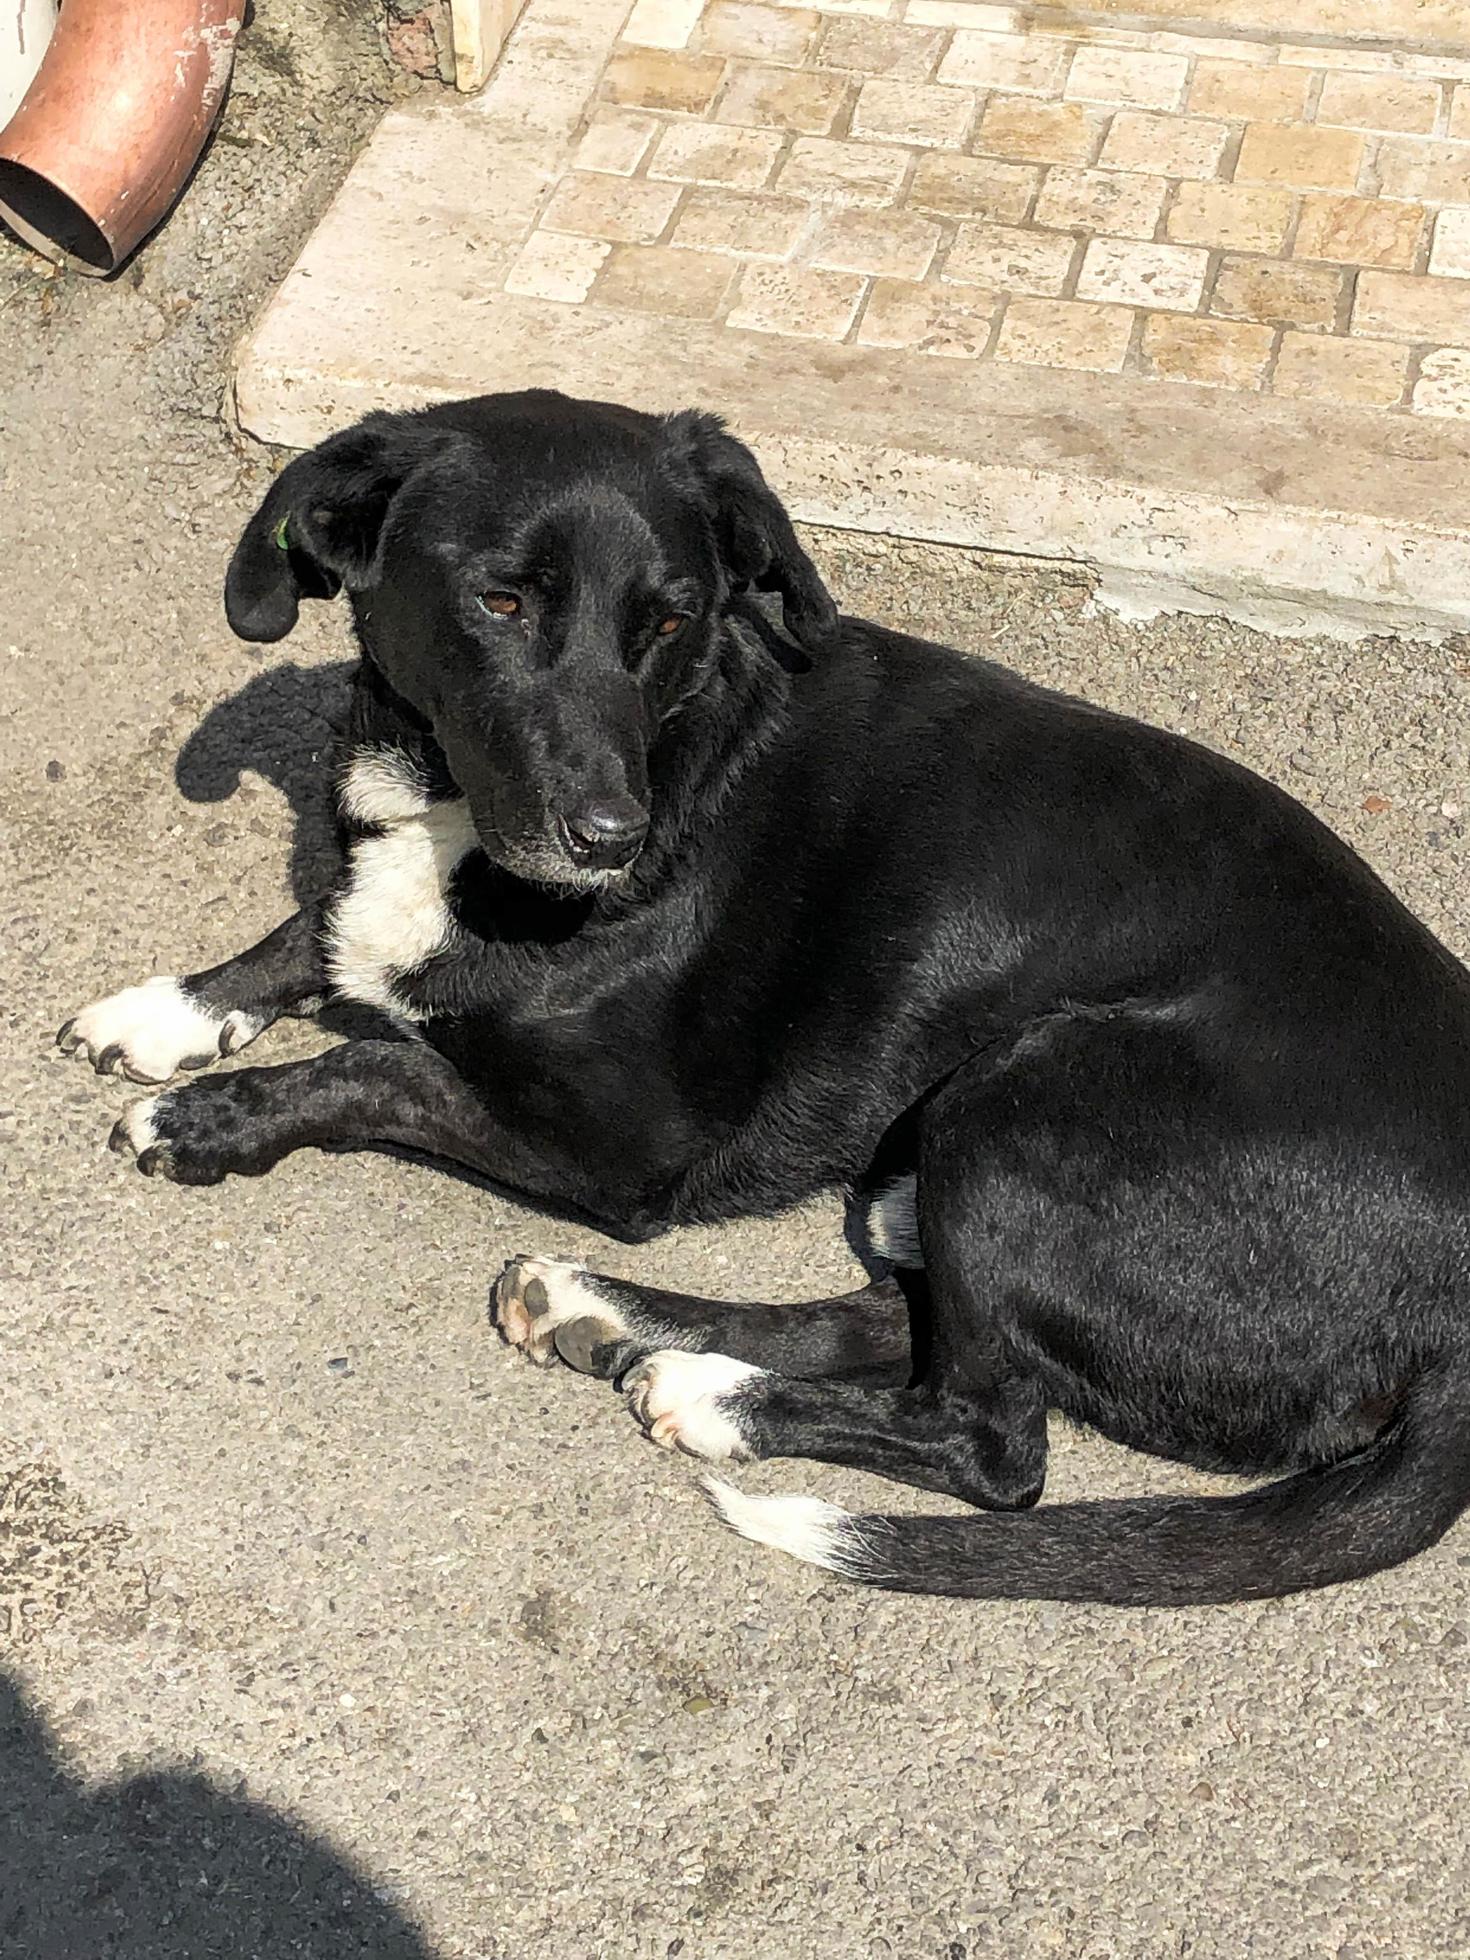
pixel 283 725
pixel 168 1866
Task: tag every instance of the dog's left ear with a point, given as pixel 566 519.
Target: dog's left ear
pixel 755 535
pixel 317 528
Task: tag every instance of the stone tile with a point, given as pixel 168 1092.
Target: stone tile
pixel 1209 353
pixel 701 153
pixel 1459 123
pixel 783 98
pixel 842 173
pixel 662 23
pixel 1169 146
pixel 1242 92
pixel 1038 132
pixel 913 112
pixel 973 187
pixel 1407 306
pixel 1439 173
pixel 1065 333
pixel 660 279
pixel 790 300
pixel 1300 154
pixel 1128 273
pixel 1443 387
pixel 888 244
pixel 1359 231
pixel 1140 81
pixel 953 323
pixel 872 9
pixel 1008 259
pixel 1119 203
pixel 871 47
pixel 753 33
pixel 1382 102
pixel 1247 218
pixel 1276 290
pixel 554 266
pixel 617 140
pixel 736 222
pixel 1322 367
pixel 653 78
pixel 1449 256
pixel 626 210
pixel 1020 64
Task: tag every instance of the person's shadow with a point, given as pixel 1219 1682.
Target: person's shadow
pixel 168 1867
pixel 283 724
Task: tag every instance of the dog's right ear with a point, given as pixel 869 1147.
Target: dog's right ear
pixel 317 528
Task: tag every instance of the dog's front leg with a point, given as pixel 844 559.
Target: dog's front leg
pixel 362 1093
pixel 150 1032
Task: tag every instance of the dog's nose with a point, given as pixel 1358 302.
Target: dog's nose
pixel 606 833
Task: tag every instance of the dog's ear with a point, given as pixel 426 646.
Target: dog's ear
pixel 754 533
pixel 317 528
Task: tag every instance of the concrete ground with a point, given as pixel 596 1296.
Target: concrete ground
pixel 333 1630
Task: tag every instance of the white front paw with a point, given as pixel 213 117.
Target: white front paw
pixel 152 1031
pixel 691 1402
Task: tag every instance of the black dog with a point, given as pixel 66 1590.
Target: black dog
pixel 1155 1098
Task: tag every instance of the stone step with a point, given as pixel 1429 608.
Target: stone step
pixel 1196 314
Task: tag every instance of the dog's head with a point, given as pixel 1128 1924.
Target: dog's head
pixel 543 581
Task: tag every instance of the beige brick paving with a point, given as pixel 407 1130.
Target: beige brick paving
pixel 1443 387
pixel 1169 146
pixel 1450 256
pixel 955 323
pixel 783 98
pixel 1210 353
pixel 1249 219
pixel 1360 231
pixel 1287 295
pixel 973 187
pixel 1369 373
pixel 1232 196
pixel 887 244
pixel 1010 259
pixel 1117 203
pixel 1065 333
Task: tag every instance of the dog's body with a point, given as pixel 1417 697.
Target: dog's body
pixel 1157 1099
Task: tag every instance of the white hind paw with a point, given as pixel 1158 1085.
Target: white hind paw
pixel 691 1402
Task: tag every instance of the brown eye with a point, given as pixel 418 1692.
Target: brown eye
pixel 675 623
pixel 504 605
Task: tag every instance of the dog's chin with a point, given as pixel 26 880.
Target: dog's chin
pixel 546 864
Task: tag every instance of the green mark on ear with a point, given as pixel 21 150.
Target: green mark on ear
pixel 282 543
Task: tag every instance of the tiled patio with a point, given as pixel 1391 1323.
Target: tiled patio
pixel 1196 250
pixel 1049 190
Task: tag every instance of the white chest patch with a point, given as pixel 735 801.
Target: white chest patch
pixel 394 916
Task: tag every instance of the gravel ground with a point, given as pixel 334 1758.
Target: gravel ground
pixel 332 1630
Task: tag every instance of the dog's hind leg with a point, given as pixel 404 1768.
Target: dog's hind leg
pixel 151 1031
pixel 603 1327
pixel 973 1422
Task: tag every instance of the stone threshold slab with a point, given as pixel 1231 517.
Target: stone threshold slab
pixel 1426 25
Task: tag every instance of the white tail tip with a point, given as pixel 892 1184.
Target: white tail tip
pixel 807 1527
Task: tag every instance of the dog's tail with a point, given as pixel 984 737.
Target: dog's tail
pixel 1318 1528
